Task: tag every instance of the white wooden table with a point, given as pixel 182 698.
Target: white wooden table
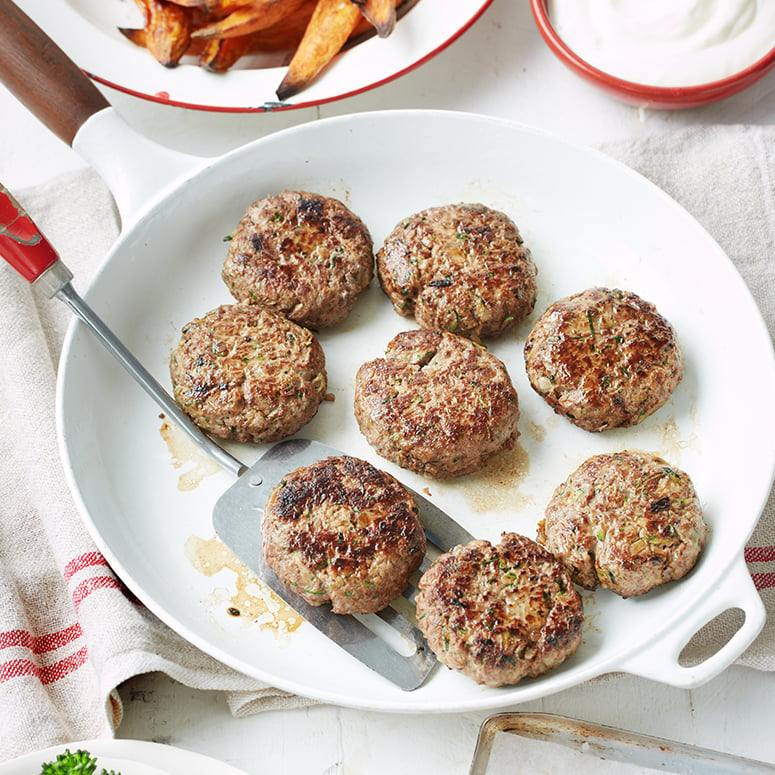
pixel 499 67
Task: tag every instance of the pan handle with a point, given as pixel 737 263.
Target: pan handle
pixel 55 90
pixel 660 660
pixel 41 76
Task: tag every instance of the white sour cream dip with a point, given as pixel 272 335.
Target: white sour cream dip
pixel 667 42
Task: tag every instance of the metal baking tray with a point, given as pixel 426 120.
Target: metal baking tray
pixel 544 744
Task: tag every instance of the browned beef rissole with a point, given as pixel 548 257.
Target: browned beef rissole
pixel 627 521
pixel 304 255
pixel 499 613
pixel 343 531
pixel 245 373
pixel 460 268
pixel 436 404
pixel 603 358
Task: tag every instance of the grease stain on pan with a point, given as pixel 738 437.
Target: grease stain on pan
pixel 245 598
pixel 496 486
pixel 194 466
pixel 674 441
pixel 537 432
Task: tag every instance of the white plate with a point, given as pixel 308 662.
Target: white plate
pixel 127 757
pixel 588 221
pixel 87 30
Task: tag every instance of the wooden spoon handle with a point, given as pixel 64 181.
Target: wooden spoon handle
pixel 42 77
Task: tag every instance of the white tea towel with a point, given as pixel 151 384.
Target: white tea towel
pixel 70 632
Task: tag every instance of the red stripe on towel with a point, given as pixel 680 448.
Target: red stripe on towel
pixel 16 668
pixel 85 588
pixel 42 643
pixel 760 554
pixel 763 580
pixel 88 560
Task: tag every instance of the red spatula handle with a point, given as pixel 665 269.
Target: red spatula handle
pixel 41 76
pixel 21 243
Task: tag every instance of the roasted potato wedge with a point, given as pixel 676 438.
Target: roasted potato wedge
pixel 381 14
pixel 286 34
pixel 248 19
pixel 221 32
pixel 220 54
pixel 332 22
pixel 205 4
pixel 167 30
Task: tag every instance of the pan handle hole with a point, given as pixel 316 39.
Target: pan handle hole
pixel 711 637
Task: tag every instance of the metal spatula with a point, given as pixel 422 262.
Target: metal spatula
pixel 237 513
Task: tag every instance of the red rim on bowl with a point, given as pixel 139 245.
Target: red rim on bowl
pixel 643 95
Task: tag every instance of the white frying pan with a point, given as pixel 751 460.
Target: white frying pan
pixel 588 220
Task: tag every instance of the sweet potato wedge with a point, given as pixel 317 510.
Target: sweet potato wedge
pixel 284 36
pixel 381 14
pixel 167 30
pixel 331 24
pixel 308 33
pixel 205 4
pixel 220 54
pixel 247 19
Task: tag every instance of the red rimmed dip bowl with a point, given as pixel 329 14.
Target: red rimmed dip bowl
pixel 641 94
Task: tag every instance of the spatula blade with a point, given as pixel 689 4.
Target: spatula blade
pixel 237 520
